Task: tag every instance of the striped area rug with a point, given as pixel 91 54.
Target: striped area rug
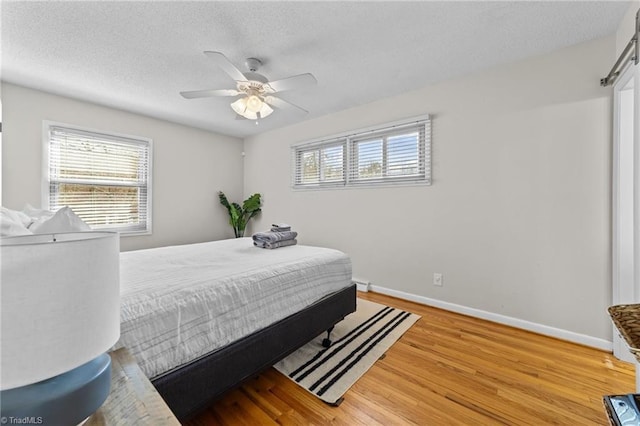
pixel 358 342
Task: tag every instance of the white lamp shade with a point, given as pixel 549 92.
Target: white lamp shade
pixel 60 301
pixel 254 104
pixel 250 106
pixel 240 106
pixel 265 110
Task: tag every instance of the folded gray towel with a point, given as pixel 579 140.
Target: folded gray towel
pixel 275 245
pixel 280 227
pixel 273 237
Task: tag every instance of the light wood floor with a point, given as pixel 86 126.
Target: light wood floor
pixel 447 369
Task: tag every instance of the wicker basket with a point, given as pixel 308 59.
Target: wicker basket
pixel 627 320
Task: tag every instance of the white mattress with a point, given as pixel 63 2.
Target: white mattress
pixel 182 302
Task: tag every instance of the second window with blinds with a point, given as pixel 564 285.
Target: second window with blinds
pixel 395 153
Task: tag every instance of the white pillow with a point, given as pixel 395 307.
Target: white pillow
pixel 13 223
pixel 64 220
pixel 36 216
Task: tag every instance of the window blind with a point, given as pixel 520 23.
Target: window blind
pixel 395 153
pixel 392 154
pixel 104 179
pixel 319 164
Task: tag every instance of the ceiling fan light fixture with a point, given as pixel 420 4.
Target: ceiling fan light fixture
pixel 249 108
pixel 240 106
pixel 250 115
pixel 254 103
pixel 266 110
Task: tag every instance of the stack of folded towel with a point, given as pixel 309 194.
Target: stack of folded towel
pixel 280 235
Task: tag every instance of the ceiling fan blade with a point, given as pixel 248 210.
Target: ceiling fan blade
pixel 282 104
pixel 207 93
pixel 295 82
pixel 226 65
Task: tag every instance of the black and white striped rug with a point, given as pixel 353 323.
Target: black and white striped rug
pixel 358 342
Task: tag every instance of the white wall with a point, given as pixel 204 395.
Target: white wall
pixel 518 216
pixel 189 165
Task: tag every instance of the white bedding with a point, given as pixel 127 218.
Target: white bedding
pixel 182 302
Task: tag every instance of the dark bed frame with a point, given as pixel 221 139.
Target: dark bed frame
pixel 192 387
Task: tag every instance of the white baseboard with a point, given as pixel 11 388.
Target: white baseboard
pixel 559 333
pixel 361 285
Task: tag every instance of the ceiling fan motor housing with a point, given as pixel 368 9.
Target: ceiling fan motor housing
pixel 253 64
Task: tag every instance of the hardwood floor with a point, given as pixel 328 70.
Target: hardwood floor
pixel 447 369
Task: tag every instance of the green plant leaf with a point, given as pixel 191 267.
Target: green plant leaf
pixel 252 203
pixel 239 216
pixel 224 201
pixel 236 213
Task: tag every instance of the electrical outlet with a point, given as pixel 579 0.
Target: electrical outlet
pixel 437 279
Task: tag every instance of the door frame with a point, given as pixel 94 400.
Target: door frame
pixel 625 270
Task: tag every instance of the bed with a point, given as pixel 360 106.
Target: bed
pixel 202 318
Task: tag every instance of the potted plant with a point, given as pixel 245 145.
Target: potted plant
pixel 239 215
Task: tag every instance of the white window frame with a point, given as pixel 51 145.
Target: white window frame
pixel 318 147
pixel 349 141
pixel 121 138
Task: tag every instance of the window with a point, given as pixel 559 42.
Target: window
pixel 395 153
pixel 320 164
pixel 104 178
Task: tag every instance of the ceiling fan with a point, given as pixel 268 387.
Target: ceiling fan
pixel 256 90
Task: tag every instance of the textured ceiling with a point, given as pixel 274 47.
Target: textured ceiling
pixel 138 56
